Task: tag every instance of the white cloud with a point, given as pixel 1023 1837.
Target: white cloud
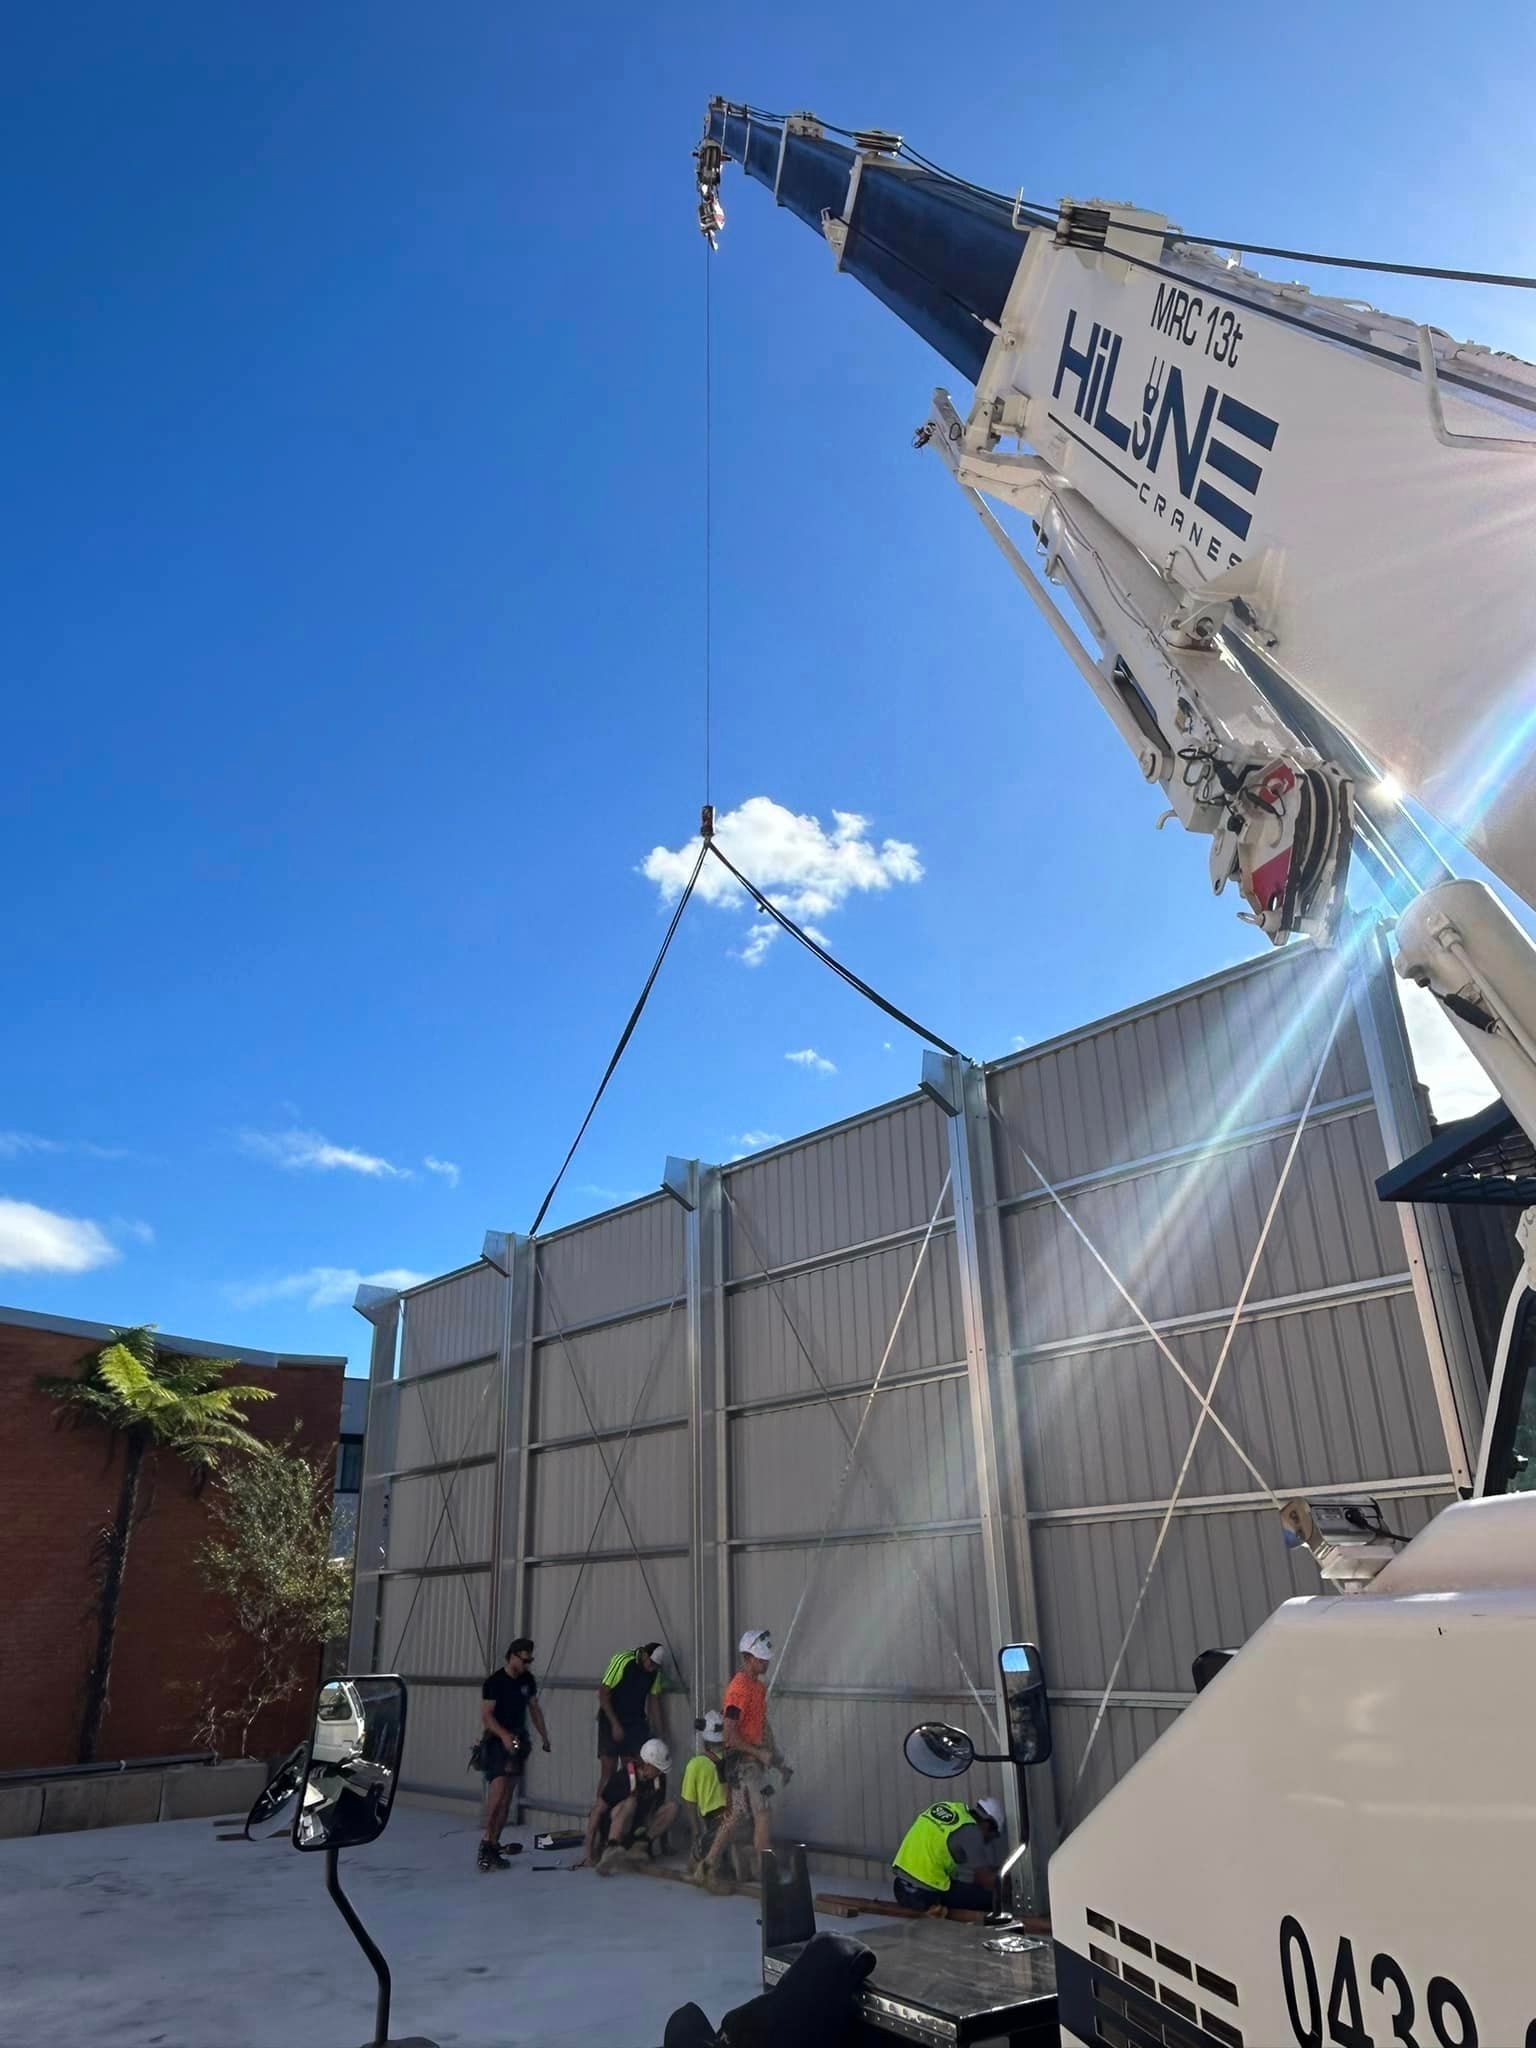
pixel 23 1144
pixel 759 938
pixel 886 1046
pixel 1457 1084
pixel 134 1227
pixel 811 1060
pixel 444 1167
pixel 308 1150
pixel 804 869
pixel 34 1240
pixel 1019 1041
pixel 754 1141
pixel 323 1286
pixel 616 1196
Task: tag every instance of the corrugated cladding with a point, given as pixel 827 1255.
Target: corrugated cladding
pixel 877 1590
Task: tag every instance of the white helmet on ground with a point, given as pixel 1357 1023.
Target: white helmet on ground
pixel 712 1727
pixel 758 1642
pixel 993 1809
pixel 656 1754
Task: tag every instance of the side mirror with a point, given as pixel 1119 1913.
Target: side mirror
pixel 1025 1702
pixel 352 1765
pixel 939 1751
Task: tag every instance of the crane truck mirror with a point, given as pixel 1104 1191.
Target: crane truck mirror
pixel 353 1763
pixel 1026 1702
pixel 939 1751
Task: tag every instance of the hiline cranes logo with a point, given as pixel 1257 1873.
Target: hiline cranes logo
pixel 1207 468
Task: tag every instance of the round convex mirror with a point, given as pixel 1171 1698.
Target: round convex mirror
pixel 939 1751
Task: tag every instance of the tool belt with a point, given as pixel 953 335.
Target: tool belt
pixel 489 1748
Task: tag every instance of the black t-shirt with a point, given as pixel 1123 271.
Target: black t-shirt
pixel 509 1698
pixel 629 1779
pixel 632 1692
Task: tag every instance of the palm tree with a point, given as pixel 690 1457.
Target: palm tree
pixel 150 1400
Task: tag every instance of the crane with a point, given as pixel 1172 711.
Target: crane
pixel 1297 534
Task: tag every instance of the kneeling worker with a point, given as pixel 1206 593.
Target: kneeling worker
pixel 634 1806
pixel 946 1857
pixel 704 1797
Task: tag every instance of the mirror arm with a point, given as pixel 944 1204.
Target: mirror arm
pixel 364 1941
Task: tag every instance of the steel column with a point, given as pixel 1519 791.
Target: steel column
pixel 959 1088
pixel 712 1653
pixel 1439 1289
pixel 512 1256
pixel 370 1553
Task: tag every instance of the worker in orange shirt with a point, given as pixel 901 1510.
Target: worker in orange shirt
pixel 750 1754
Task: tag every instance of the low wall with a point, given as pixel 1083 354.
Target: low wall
pixel 61 1805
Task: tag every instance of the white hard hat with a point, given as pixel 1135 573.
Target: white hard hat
pixel 993 1809
pixel 658 1653
pixel 656 1754
pixel 712 1727
pixel 757 1642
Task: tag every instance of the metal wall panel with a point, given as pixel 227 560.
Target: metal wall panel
pixel 1318 1397
pixel 453 1517
pixel 877 1615
pixel 913 1463
pixel 612 1364
pixel 1128 1732
pixel 845 1314
pixel 454 1320
pixel 612 1610
pixel 571 1513
pixel 441 1634
pixel 1233 1051
pixel 1181 1241
pixel 839 1188
pixel 442 1724
pixel 446 1419
pixel 616 1262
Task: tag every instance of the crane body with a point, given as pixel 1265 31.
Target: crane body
pixel 1299 536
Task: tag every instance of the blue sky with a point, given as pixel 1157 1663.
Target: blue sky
pixel 353 375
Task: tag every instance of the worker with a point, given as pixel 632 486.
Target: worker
pixel 634 1808
pixel 508 1699
pixel 945 1840
pixel 629 1706
pixel 704 1797
pixel 750 1753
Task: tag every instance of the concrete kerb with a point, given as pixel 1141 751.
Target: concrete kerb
pixel 198 1792
pixel 21 1810
pixel 117 1802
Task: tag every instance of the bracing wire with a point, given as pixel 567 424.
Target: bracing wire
pixel 624 1037
pixel 552 1660
pixel 1210 1392
pixel 889 1506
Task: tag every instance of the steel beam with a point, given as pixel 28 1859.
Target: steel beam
pixel 515 1261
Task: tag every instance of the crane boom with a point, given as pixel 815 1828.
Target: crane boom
pixel 1299 531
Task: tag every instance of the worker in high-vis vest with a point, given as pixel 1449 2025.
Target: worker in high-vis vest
pixel 946 1857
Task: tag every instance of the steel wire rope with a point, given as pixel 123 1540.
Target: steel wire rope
pixel 618 1498
pixel 661 1352
pixel 709 516
pixel 624 1037
pixel 1210 1392
pixel 884 1496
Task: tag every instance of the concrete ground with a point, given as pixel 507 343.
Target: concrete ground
pixel 166 1937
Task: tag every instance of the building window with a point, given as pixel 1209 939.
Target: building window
pixel 349 1465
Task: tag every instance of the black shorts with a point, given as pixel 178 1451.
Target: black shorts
pixel 627 1744
pixel 497 1761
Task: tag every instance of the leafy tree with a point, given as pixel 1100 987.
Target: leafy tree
pixel 148 1401
pixel 269 1559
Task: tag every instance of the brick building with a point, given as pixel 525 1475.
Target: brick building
pixel 59 1487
